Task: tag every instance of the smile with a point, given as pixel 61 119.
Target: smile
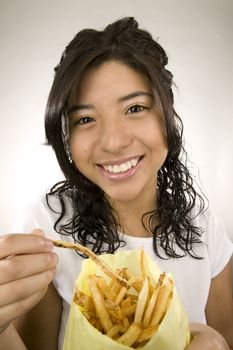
pixel 121 168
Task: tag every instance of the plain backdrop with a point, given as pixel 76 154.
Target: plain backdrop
pixel 198 38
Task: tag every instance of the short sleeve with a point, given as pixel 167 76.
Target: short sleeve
pixel 219 245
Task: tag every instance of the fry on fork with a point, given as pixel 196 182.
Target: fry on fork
pixel 105 268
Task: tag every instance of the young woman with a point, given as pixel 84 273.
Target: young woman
pixel 111 122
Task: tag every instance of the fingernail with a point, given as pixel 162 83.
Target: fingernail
pixel 49 244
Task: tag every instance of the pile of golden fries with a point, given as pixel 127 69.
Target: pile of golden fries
pixel 125 307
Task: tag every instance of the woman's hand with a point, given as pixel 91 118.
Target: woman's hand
pixel 27 266
pixel 206 338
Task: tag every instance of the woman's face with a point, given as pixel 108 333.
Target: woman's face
pixel 116 136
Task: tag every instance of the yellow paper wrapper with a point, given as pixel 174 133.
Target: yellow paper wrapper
pixel 173 332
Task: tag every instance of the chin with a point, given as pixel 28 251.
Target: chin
pixel 122 196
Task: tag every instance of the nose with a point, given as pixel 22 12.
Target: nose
pixel 114 137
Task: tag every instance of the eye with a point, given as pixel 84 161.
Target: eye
pixel 82 121
pixel 136 108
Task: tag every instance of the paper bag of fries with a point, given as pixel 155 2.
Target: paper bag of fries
pixel 124 301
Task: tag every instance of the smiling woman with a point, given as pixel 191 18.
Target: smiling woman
pixel 111 121
pixel 100 73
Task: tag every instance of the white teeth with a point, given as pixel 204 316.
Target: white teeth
pixel 122 167
pixel 116 169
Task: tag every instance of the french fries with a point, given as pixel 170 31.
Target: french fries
pixel 127 308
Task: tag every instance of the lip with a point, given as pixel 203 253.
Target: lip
pixel 120 176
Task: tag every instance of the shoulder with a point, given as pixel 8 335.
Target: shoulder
pixel 40 212
pixel 211 224
pixel 38 207
pixel 218 245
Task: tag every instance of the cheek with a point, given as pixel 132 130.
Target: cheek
pixel 154 135
pixel 79 149
pixel 157 143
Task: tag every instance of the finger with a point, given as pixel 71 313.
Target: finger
pixel 13 244
pixel 201 342
pixel 12 311
pixel 205 337
pixel 20 266
pixel 37 232
pixel 21 289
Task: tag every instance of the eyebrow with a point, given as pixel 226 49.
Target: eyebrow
pixel 76 108
pixel 135 94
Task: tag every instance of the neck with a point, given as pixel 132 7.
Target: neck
pixel 129 216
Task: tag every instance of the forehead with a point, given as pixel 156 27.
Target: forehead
pixel 111 79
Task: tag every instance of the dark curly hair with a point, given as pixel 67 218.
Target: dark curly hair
pixel 92 221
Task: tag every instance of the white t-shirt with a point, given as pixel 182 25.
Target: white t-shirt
pixel 192 276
